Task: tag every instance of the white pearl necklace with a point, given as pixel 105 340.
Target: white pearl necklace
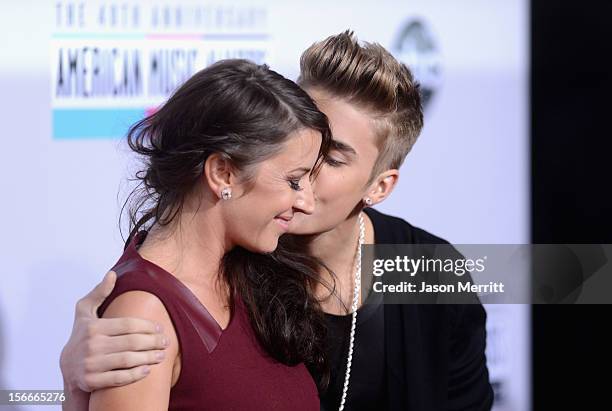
pixel 354 306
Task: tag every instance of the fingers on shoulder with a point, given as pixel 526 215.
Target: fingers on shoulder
pixel 144 305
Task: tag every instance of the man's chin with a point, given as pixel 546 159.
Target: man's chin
pixel 307 225
pixel 302 225
pixel 301 230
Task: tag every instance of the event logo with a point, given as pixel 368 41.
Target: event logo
pixel 416 47
pixel 114 63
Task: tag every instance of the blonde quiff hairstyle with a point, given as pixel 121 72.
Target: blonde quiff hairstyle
pixel 367 75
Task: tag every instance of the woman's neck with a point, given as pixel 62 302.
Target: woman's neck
pixel 191 247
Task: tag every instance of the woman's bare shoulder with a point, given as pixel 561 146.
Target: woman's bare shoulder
pixel 153 391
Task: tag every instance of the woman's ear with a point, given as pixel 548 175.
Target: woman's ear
pixel 219 175
pixel 382 187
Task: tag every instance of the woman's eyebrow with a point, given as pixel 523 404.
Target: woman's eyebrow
pixel 304 169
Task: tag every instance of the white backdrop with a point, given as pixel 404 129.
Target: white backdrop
pixel 63 169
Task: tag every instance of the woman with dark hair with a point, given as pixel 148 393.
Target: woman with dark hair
pixel 228 161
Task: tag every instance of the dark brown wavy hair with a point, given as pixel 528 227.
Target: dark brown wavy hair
pixel 245 112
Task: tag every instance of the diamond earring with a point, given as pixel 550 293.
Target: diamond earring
pixel 368 201
pixel 226 193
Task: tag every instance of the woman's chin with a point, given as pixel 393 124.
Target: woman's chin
pixel 265 247
pixel 270 247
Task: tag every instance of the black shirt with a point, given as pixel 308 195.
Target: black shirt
pixel 409 357
pixel 367 382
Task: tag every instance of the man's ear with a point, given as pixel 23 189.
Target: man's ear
pixel 381 187
pixel 219 173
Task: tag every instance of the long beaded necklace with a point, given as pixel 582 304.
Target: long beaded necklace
pixel 354 305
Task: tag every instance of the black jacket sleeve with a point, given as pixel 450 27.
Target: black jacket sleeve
pixel 469 388
pixel 435 354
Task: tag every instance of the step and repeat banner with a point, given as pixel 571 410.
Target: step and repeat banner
pixel 74 75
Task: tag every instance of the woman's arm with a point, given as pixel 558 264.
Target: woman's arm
pixel 103 352
pixel 153 392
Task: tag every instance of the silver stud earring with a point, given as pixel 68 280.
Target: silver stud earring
pixel 226 193
pixel 368 201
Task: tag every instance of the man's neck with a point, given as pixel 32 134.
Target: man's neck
pixel 338 245
pixel 337 249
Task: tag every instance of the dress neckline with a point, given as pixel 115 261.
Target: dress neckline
pixel 186 291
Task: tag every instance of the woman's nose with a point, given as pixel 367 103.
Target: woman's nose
pixel 305 201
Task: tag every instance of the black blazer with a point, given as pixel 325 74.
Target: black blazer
pixel 435 354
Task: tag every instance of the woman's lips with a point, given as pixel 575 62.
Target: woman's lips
pixel 283 222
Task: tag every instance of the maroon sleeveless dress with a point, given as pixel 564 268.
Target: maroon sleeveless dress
pixel 220 369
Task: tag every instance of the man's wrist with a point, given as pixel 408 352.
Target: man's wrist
pixel 76 399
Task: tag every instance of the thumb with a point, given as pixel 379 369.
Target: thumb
pixel 89 304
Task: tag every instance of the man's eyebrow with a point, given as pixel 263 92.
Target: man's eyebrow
pixel 342 147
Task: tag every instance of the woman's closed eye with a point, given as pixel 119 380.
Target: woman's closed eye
pixel 294 183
